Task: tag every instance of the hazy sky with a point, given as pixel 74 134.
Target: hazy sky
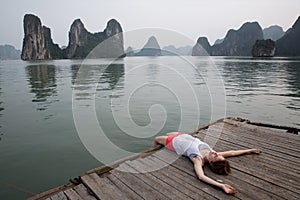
pixel 192 18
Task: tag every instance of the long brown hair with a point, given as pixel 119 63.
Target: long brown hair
pixel 220 167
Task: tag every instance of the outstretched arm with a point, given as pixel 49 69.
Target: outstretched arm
pixel 200 174
pixel 238 152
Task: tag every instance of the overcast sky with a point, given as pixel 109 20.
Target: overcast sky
pixel 192 18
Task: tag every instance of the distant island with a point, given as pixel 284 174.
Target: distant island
pixel 252 40
pixel 249 40
pixel 9 52
pixel 152 48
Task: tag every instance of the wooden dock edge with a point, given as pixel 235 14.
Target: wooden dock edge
pixel 106 168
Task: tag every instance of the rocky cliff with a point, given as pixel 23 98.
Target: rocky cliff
pixel 273 32
pixel 202 47
pixel 38 44
pixel 54 49
pixel 34 47
pixel 82 42
pixel 289 44
pixel 78 37
pixel 263 48
pixel 239 42
pixel 151 48
pixel 8 52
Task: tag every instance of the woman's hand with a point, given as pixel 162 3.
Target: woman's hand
pixel 256 151
pixel 228 189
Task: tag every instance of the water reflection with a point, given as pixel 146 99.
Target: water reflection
pixel 74 70
pixel 293 82
pixel 112 77
pixel 1 103
pixel 293 79
pixel 42 79
pixel 152 73
pixel 96 78
pixel 243 75
pixel 1 109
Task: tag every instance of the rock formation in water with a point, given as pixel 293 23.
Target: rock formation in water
pixel 78 37
pixel 151 48
pixel 82 42
pixel 202 47
pixel 289 44
pixel 34 47
pixel 171 50
pixel 8 52
pixel 273 32
pixel 38 44
pixel 239 42
pixel 263 48
pixel 54 49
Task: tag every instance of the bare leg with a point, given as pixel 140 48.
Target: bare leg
pixel 160 140
pixel 172 133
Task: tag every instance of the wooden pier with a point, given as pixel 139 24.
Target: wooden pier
pixel 160 174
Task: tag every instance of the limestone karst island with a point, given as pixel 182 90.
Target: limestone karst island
pixel 249 40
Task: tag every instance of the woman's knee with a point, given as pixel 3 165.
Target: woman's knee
pixel 161 139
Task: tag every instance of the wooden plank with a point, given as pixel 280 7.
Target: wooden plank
pixel 83 192
pixel 193 182
pixel 271 174
pixel 50 192
pixel 229 137
pixel 59 196
pixel 255 128
pixel 101 187
pixel 266 160
pixel 292 146
pixel 252 192
pixel 259 137
pixel 251 179
pixel 139 186
pixel 170 176
pixel 123 187
pixel 157 183
pixel 72 194
pixel 268 156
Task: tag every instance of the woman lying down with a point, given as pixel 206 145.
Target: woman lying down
pixel 199 153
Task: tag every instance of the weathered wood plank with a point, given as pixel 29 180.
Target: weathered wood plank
pixel 268 172
pixel 254 128
pixel 261 137
pixel 139 186
pixel 266 160
pixel 252 192
pixel 268 157
pixel 179 180
pixel 83 192
pixel 72 195
pixel 123 187
pixel 59 196
pixel 101 187
pixel 157 184
pixel 263 140
pixel 51 192
pixel 193 181
pixel 260 180
pixel 228 137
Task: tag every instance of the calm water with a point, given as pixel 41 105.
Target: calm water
pixel 134 99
